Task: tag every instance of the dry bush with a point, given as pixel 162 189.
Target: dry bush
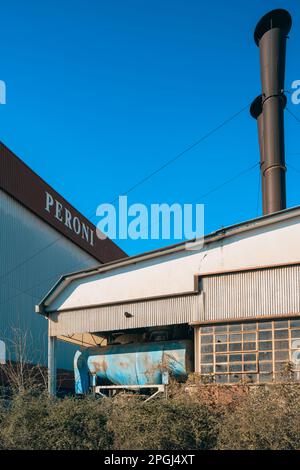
pixel 19 374
pixel 266 418
pixel 24 422
pixel 161 425
pixel 33 421
pixel 78 424
pixel 195 416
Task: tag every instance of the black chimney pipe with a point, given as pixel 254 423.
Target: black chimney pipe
pixel 270 35
pixel 256 111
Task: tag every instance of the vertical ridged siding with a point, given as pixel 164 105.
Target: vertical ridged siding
pixel 23 236
pixel 273 291
pixel 156 312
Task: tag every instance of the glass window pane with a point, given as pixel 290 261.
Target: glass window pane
pixel 221 378
pixel 207 348
pixel 251 378
pixel 295 323
pixel 207 369
pixel 205 339
pixel 235 357
pixel 249 357
pixel 206 329
pixel 207 358
pixel 279 377
pixel 235 367
pixel 265 356
pixel 265 367
pixel 295 333
pixel 280 366
pixel 265 345
pixel 249 336
pixel 221 368
pixel 221 339
pixel 296 365
pixel 249 326
pixel 281 345
pixel 221 347
pixel 281 356
pixel 235 338
pixel 281 334
pixel 265 335
pixel 235 347
pixel 295 344
pixel 220 328
pixel 265 378
pixel 250 367
pixel 235 327
pixel 265 325
pixel 235 378
pixel 249 346
pixel 221 358
pixel 281 324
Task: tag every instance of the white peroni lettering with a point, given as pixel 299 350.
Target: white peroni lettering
pixel 64 215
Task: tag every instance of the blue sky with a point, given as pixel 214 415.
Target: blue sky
pixel 100 94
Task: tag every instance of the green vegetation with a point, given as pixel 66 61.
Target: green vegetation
pixel 198 417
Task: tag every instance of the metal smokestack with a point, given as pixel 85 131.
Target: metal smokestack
pixel 270 35
pixel 256 111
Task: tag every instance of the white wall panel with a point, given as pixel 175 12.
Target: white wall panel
pixel 173 274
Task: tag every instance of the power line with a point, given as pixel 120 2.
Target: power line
pixel 292 114
pixel 293 168
pixel 20 292
pixel 143 180
pixel 186 150
pixel 30 258
pixel 233 178
pixel 27 291
pixel 216 188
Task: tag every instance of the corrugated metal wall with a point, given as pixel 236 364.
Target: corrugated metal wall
pixel 23 283
pixel 273 291
pixel 167 311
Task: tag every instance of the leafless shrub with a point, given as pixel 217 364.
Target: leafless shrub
pixel 268 417
pixel 19 374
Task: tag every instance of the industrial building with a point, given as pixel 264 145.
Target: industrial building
pixel 41 237
pixel 235 297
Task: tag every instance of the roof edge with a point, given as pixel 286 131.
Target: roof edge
pixel 218 235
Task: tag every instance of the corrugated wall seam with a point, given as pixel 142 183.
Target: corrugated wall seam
pixel 175 310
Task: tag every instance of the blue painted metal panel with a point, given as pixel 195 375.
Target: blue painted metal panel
pixel 133 364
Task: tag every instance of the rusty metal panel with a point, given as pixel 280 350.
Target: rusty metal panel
pixel 156 312
pixel 272 291
pixel 133 364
